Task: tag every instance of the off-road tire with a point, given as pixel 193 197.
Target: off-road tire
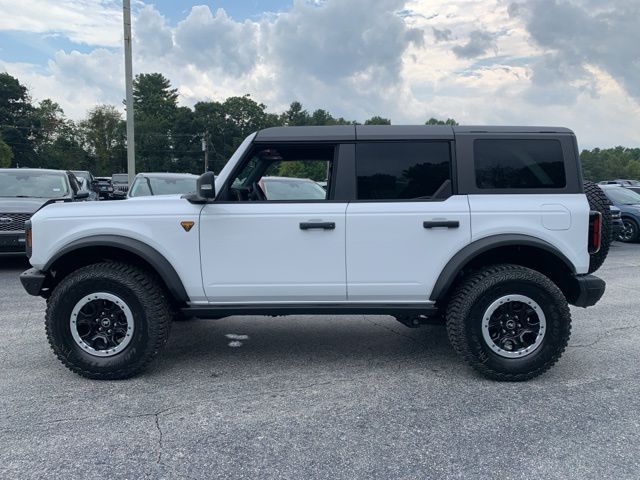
pixel 472 297
pixel 599 202
pixel 143 295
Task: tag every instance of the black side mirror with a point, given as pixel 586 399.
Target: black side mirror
pixel 81 195
pixel 207 186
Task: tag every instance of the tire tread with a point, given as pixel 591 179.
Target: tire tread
pixel 470 290
pixel 148 291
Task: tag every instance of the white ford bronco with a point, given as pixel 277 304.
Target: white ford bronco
pixel 489 230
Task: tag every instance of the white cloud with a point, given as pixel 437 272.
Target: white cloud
pixel 92 22
pixel 477 61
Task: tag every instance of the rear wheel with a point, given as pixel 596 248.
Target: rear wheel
pixel 107 320
pixel 509 322
pixel 629 232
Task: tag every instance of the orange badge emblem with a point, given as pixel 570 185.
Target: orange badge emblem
pixel 187 225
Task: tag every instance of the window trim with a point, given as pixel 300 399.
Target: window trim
pixel 452 172
pixel 247 156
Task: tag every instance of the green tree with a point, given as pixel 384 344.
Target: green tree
pixel 5 154
pixel 610 163
pixel 295 116
pixel 304 169
pixel 50 119
pixel 65 151
pixel 435 121
pixel 155 109
pixel 104 140
pixel 377 120
pixel 227 124
pixel 18 125
pixel 153 96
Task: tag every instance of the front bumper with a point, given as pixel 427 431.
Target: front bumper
pixel 586 290
pixel 33 280
pixel 12 243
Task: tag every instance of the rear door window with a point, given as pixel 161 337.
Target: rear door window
pixel 403 170
pixel 519 164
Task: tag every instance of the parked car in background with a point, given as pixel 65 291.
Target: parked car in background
pixel 621 181
pixel 616 222
pixel 288 188
pixel 23 191
pixel 87 182
pixel 120 182
pixel 628 202
pixel 104 188
pixel 85 187
pixel 147 184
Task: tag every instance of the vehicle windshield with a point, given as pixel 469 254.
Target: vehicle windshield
pixel 622 196
pixel 292 189
pixel 145 186
pixel 33 184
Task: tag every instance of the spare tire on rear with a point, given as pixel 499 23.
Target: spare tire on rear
pixel 599 202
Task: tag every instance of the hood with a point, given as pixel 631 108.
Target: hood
pixel 143 207
pixel 23 205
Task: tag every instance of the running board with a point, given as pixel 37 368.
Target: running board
pixel 219 311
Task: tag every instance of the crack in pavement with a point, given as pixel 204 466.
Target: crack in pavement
pixel 604 335
pixel 81 419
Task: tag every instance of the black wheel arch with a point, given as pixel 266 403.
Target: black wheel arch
pixel 518 249
pixel 96 248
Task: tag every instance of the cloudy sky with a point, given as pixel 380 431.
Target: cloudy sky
pixel 572 63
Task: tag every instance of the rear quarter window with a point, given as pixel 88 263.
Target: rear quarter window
pixel 519 164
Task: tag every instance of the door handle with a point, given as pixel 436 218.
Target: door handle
pixel 441 224
pixel 317 225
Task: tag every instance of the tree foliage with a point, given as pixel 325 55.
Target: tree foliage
pixel 377 120
pixel 103 137
pixel 435 121
pixel 610 163
pixel 5 154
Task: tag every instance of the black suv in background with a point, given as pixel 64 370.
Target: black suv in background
pixel 23 191
pixel 104 188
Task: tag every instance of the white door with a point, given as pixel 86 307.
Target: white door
pixel 405 224
pixel 266 252
pixel 396 250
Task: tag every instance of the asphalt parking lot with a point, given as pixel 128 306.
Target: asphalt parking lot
pixel 324 397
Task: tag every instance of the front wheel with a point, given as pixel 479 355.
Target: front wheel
pixel 509 322
pixel 107 320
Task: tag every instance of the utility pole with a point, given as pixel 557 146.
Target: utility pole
pixel 205 149
pixel 128 73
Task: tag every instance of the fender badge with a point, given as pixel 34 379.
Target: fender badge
pixel 187 225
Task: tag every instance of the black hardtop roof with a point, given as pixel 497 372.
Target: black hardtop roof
pixel 342 133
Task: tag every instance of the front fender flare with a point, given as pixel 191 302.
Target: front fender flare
pixel 149 254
